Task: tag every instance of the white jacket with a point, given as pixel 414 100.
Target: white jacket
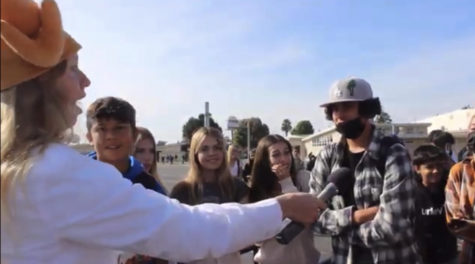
pixel 73 209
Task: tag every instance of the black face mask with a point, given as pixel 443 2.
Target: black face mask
pixel 351 128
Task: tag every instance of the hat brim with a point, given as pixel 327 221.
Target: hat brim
pixel 340 101
pixel 15 70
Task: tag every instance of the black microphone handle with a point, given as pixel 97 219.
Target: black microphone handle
pixel 291 230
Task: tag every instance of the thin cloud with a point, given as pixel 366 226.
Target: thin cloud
pixel 271 60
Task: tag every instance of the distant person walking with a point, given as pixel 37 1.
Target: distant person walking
pixel 234 162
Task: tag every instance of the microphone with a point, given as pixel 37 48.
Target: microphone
pixel 338 183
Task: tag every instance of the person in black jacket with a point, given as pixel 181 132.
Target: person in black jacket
pixel 437 244
pixel 444 141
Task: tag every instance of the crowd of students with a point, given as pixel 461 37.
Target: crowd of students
pixel 111 206
pixel 216 176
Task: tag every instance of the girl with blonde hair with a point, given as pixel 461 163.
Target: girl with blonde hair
pixel 209 179
pixel 59 206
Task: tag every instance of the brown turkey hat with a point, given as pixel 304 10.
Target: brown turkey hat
pixel 33 40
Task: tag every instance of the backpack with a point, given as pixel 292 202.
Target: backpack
pixel 386 143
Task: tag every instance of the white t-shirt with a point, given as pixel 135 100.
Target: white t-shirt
pixel 73 209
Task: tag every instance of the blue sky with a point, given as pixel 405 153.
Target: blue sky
pixel 272 59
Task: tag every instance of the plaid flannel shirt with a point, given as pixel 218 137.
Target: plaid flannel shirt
pixel 460 204
pixel 390 235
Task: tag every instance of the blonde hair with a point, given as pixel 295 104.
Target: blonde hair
pixel 31 118
pixel 143 134
pixel 230 152
pixel 194 176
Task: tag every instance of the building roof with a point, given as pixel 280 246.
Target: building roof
pixel 325 131
pixel 296 136
pixel 453 121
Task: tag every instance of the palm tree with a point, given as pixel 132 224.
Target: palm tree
pixel 286 126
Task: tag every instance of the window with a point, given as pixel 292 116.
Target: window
pixel 322 141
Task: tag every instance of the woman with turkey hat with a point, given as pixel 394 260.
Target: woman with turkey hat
pixel 61 207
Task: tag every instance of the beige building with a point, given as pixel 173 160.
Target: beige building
pixel 314 143
pixel 297 142
pixel 455 122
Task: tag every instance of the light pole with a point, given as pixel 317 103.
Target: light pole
pixel 249 138
pixel 207 124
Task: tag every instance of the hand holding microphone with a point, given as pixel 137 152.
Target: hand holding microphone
pixel 300 207
pixel 337 183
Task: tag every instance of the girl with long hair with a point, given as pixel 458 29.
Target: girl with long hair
pixel 146 152
pixel 209 179
pixel 273 173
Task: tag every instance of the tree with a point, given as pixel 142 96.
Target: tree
pixel 383 118
pixel 286 126
pixel 258 131
pixel 194 123
pixel 303 127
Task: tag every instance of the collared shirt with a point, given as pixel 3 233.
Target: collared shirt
pixel 390 235
pixel 459 204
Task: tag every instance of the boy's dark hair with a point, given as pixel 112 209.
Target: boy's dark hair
pixel 368 108
pixel 427 153
pixel 110 108
pixel 440 138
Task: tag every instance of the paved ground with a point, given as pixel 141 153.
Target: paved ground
pixel 171 174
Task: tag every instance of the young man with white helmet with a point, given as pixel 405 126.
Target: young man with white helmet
pixel 373 221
